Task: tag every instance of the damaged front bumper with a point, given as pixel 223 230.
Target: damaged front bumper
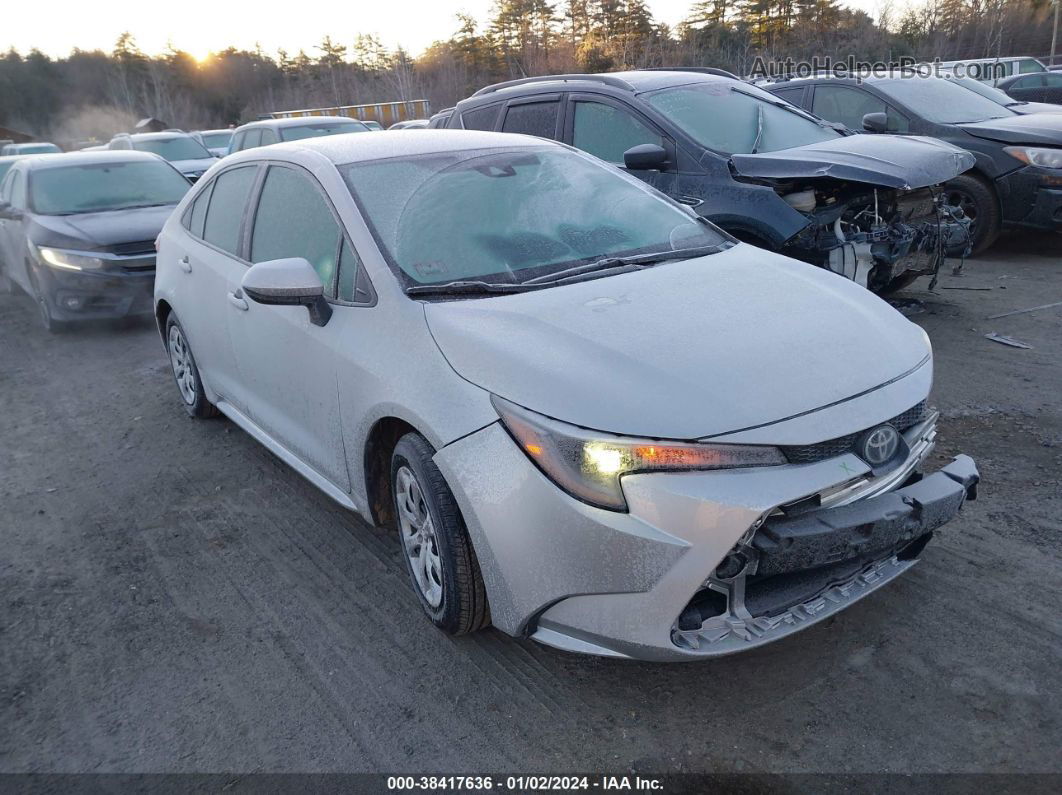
pixel 703 563
pixel 795 571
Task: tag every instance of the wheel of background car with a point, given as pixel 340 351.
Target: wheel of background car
pixel 978 200
pixel 439 558
pixel 186 373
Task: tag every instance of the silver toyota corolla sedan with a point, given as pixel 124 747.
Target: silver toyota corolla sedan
pixel 593 418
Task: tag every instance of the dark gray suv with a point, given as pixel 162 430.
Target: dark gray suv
pixel 760 168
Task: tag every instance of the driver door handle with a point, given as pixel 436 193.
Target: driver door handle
pixel 186 266
pixel 237 300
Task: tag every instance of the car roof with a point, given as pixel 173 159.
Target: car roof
pixel 211 132
pixel 37 162
pixel 635 81
pixel 293 121
pixel 158 136
pixel 357 148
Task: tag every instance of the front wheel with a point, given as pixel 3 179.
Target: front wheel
pixel 977 199
pixel 436 548
pixel 186 373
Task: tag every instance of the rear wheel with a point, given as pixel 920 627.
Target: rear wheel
pixel 977 199
pixel 439 558
pixel 186 373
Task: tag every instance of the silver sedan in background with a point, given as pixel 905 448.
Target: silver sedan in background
pixel 594 419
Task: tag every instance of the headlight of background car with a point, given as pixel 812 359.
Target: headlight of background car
pixel 1036 156
pixel 588 465
pixel 68 260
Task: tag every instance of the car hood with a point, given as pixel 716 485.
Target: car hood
pixel 682 350
pixel 893 161
pixel 100 230
pixel 193 166
pixel 1031 128
pixel 1035 107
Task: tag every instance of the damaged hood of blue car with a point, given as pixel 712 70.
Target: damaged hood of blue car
pixel 892 161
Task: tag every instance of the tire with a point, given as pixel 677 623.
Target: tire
pixel 897 283
pixel 439 558
pixel 51 324
pixel 186 373
pixel 979 201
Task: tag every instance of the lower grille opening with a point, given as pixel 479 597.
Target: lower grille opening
pixel 705 604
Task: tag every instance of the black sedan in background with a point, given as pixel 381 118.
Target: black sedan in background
pixel 1017 180
pixel 77 231
pixel 1039 87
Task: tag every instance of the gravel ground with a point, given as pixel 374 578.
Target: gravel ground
pixel 174 599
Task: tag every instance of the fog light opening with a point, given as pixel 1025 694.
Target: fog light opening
pixel 705 604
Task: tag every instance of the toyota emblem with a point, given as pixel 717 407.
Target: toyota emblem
pixel 880 445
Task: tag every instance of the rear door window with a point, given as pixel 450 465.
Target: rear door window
pixel 196 214
pixel 607 131
pixel 794 96
pixel 228 201
pixel 533 118
pixel 294 219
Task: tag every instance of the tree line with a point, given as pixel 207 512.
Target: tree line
pixel 92 94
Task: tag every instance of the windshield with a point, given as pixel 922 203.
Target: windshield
pixel 322 128
pixel 986 91
pixel 185 148
pixel 734 120
pixel 217 140
pixel 506 216
pixel 98 187
pixel 941 101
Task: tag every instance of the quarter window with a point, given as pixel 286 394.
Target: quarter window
pixel 228 200
pixel 533 118
pixel 607 132
pixel 197 212
pixel 295 220
pixel 481 118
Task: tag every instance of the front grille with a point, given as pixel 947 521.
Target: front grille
pixel 133 249
pixel 820 451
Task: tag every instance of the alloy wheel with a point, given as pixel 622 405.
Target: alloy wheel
pixel 965 202
pixel 419 541
pixel 181 362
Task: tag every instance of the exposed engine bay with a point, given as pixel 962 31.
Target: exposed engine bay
pixel 881 238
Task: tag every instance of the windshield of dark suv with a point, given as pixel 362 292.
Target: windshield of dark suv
pixel 941 101
pixel 183 148
pixel 733 120
pixel 507 216
pixel 322 128
pixel 100 187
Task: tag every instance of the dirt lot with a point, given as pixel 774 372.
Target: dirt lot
pixel 172 598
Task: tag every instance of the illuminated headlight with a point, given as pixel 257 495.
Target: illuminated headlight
pixel 588 464
pixel 68 260
pixel 1036 156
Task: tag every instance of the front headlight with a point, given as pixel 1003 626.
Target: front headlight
pixel 68 260
pixel 1036 156
pixel 588 464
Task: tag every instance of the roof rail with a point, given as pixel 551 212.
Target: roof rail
pixel 704 70
pixel 609 80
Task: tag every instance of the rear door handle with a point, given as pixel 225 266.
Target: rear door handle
pixel 236 299
pixel 186 266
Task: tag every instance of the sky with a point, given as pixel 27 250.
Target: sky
pixel 199 27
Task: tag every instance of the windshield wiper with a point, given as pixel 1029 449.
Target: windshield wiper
pixel 759 129
pixel 613 263
pixel 467 288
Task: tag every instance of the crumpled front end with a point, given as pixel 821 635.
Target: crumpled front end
pixel 701 564
pixel 880 238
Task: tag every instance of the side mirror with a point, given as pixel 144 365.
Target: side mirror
pixel 9 212
pixel 645 156
pixel 876 122
pixel 288 282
